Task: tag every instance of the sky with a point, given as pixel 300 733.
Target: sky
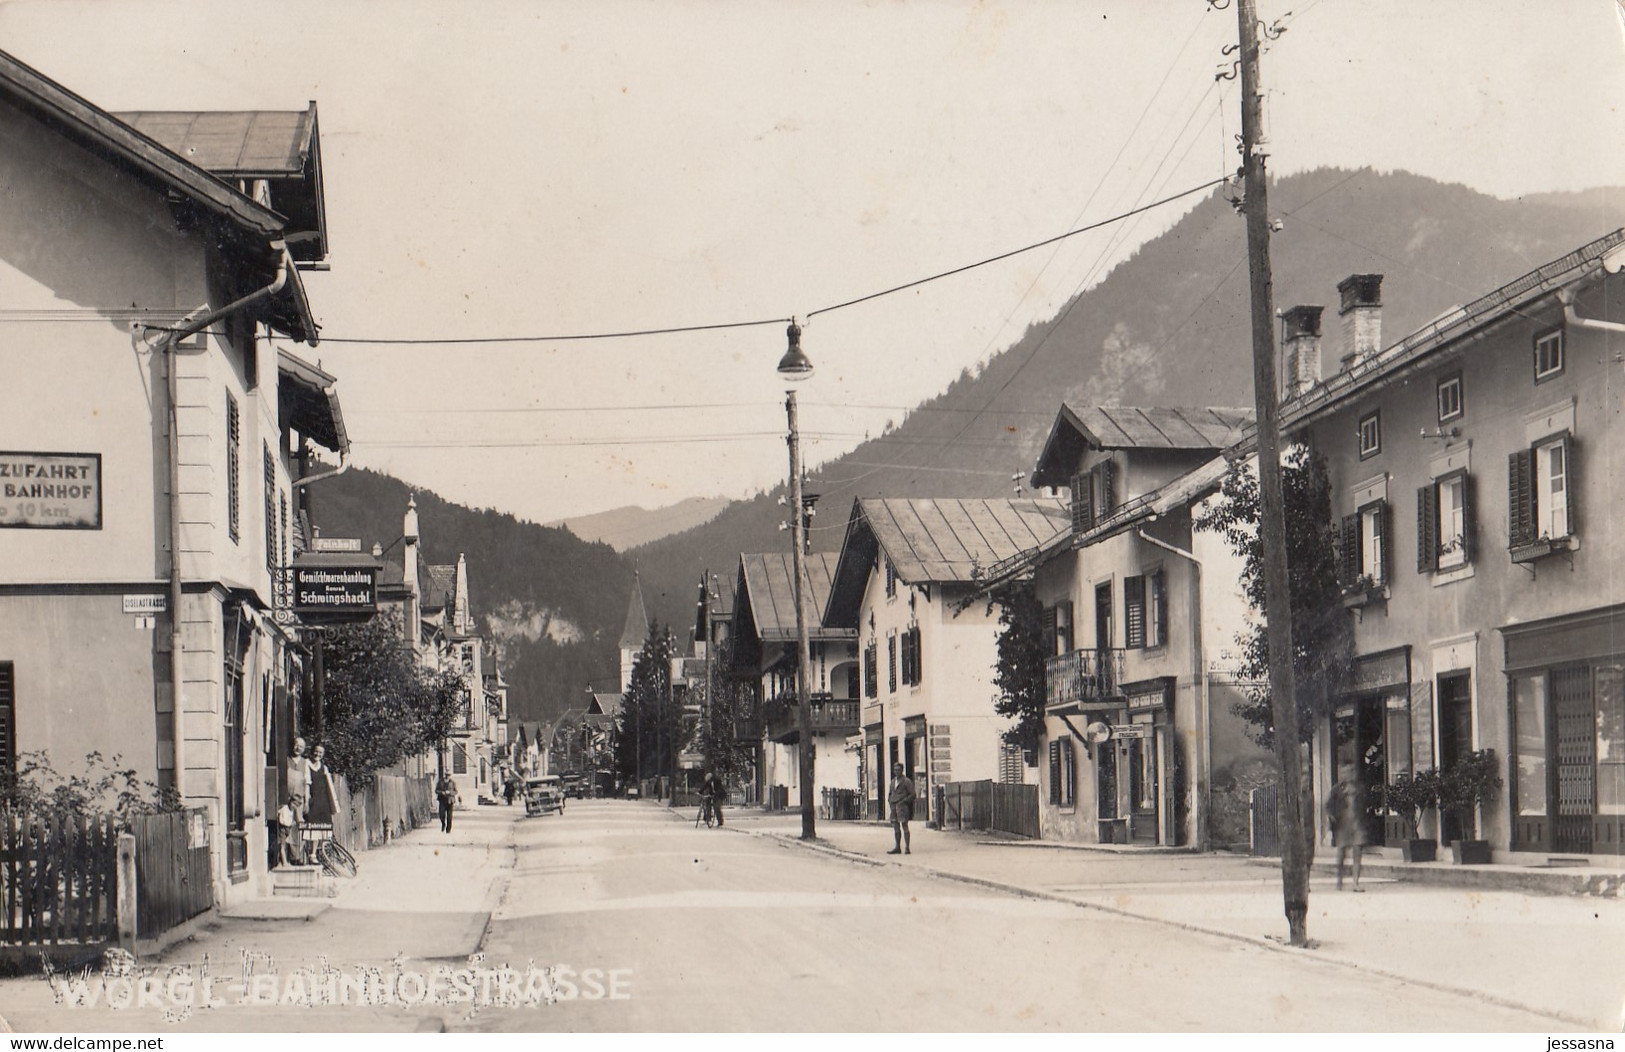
pixel 548 169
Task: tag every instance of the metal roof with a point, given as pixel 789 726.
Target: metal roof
pixel 241 143
pixel 1133 427
pixel 770 592
pixel 937 541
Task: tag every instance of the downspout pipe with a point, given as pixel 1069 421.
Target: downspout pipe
pixel 169 347
pixel 1204 788
pixel 1572 317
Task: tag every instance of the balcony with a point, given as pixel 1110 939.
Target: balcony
pixel 828 715
pixel 1083 676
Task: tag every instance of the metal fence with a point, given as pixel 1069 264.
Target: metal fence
pixel 58 881
pixel 1014 809
pixel 173 872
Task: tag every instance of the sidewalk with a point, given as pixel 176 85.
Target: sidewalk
pixel 1562 956
pixel 420 902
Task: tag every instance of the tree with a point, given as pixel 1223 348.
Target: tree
pixel 380 706
pixel 732 702
pixel 648 731
pixel 1018 672
pixel 1322 638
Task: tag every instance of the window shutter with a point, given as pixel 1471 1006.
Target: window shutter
pixel 1051 616
pixel 1385 532
pixel 1055 772
pixel 1568 485
pixel 1083 513
pixel 1427 528
pixel 1134 612
pixel 919 662
pixel 1521 497
pixel 1349 557
pixel 1065 630
pixel 1468 529
pixel 891 662
pixel 1108 488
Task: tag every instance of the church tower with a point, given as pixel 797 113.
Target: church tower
pixel 634 634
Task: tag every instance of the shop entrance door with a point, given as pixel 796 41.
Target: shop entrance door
pixel 1359 754
pixel 1576 721
pixel 1455 739
pixel 1140 760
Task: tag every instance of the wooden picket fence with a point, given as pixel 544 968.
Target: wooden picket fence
pixel 1014 809
pixel 58 881
pixel 174 875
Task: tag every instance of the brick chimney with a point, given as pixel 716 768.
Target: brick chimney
pixel 1300 350
pixel 1361 312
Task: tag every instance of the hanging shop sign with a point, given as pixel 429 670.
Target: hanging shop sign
pixel 337 591
pixel 51 491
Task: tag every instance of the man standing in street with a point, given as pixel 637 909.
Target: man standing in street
pixel 901 797
pixel 712 793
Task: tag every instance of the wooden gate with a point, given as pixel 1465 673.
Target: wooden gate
pixel 58 881
pixel 1264 821
pixel 967 805
pixel 174 878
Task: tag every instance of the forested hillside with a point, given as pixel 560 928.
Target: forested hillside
pixel 553 603
pixel 1167 327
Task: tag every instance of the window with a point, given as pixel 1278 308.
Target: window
pixel 1450 405
pixel 1370 435
pixel 891 662
pixel 1365 546
pixel 1134 612
pixel 1058 628
pixel 911 657
pixel 234 439
pixel 1062 772
pixel 891 578
pixel 270 509
pixel 852 684
pixel 1548 354
pixel 459 758
pixel 1157 621
pixel 1444 523
pixel 1540 492
pixel 1094 495
pixel 871 671
pixel 8 717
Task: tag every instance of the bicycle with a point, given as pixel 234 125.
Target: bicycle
pixel 707 814
pixel 333 856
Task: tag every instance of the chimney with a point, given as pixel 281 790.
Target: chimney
pixel 1300 349
pixel 1361 312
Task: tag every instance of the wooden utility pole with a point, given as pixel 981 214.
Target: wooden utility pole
pixel 798 562
pixel 1271 510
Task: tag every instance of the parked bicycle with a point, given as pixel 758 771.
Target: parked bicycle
pixel 334 857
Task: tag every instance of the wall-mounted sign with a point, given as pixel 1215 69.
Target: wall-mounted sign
pixel 51 491
pixel 1132 730
pixel 336 544
pixel 345 590
pixel 146 604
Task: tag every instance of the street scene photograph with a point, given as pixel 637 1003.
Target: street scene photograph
pixel 885 517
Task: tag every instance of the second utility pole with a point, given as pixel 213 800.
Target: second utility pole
pixel 1271 507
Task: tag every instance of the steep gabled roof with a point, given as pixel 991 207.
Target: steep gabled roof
pixel 439 587
pixel 770 592
pixel 309 402
pixel 1077 428
pixel 936 541
pixel 636 631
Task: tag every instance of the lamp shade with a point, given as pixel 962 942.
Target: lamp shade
pixel 795 365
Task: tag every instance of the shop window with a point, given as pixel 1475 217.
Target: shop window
pixel 1548 354
pixel 1529 767
pixel 1610 695
pixel 1444 523
pixel 1450 403
pixel 1370 434
pixel 1541 502
pixel 1364 554
pixel 1062 773
pixel 1094 495
pixel 234 441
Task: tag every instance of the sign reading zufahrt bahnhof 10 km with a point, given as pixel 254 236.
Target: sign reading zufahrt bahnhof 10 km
pixel 60 491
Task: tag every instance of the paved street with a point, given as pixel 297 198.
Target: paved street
pixel 746 928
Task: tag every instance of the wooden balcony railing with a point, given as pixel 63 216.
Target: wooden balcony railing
pixel 1083 675
pixel 828 714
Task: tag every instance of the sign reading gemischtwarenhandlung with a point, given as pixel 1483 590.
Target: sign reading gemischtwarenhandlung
pixel 334 589
pixel 51 490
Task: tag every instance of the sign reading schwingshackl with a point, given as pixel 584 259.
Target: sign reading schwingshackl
pixel 334 590
pixel 60 491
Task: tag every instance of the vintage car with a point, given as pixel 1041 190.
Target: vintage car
pixel 543 795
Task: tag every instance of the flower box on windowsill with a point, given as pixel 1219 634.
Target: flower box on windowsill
pixel 1357 597
pixel 1528 553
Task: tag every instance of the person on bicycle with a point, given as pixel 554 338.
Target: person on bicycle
pixel 712 792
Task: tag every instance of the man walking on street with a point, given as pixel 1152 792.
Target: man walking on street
pixel 901 798
pixel 446 793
